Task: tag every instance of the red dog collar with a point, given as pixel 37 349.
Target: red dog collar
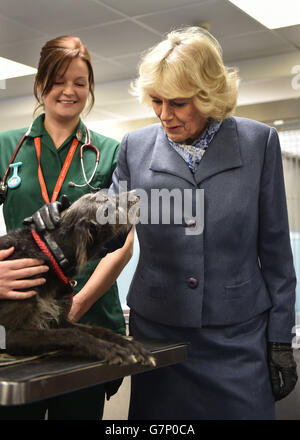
pixel 41 244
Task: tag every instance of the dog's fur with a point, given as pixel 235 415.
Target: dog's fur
pixel 40 324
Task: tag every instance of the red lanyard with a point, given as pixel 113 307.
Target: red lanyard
pixel 62 175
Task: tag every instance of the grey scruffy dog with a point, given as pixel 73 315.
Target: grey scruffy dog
pixel 39 324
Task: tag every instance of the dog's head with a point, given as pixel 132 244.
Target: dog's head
pixel 93 220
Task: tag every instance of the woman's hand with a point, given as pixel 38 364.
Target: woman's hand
pixel 13 274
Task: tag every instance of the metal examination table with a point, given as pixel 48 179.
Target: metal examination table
pixel 28 379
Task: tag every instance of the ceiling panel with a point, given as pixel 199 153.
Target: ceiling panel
pixel 223 17
pixel 56 16
pixel 118 38
pixel 107 71
pixel 130 63
pixel 23 51
pixel 292 34
pixel 12 32
pixel 139 7
pixel 129 60
pixel 253 45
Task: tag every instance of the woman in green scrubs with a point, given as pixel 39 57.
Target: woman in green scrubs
pixel 64 87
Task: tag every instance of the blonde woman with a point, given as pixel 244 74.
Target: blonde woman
pixel 228 286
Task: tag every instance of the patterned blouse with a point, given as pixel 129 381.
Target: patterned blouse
pixel 192 154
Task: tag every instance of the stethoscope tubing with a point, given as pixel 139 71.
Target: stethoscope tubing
pixel 18 147
pixel 87 144
pixel 87 181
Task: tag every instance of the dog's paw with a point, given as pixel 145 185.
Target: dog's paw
pixel 147 360
pixel 151 361
pixel 118 356
pixel 131 353
pixel 142 355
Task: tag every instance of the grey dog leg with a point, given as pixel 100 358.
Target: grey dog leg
pixel 133 347
pixel 72 341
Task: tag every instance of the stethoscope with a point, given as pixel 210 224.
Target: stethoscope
pixel 87 144
pixel 15 180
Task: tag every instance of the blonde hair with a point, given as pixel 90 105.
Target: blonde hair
pixel 188 63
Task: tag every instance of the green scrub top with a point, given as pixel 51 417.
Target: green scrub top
pixel 27 198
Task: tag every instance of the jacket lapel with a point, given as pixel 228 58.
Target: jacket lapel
pixel 166 160
pixel 223 152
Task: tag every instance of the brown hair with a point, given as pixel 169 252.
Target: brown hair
pixel 56 54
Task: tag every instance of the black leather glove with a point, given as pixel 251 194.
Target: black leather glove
pixel 48 216
pixel 283 369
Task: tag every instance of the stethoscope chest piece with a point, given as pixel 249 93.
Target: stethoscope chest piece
pixel 15 180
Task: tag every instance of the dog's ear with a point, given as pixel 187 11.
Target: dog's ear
pixel 84 236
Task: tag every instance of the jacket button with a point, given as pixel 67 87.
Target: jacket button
pixel 192 282
pixel 190 223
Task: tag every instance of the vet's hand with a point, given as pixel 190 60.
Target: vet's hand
pixel 13 274
pixel 283 369
pixel 48 216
